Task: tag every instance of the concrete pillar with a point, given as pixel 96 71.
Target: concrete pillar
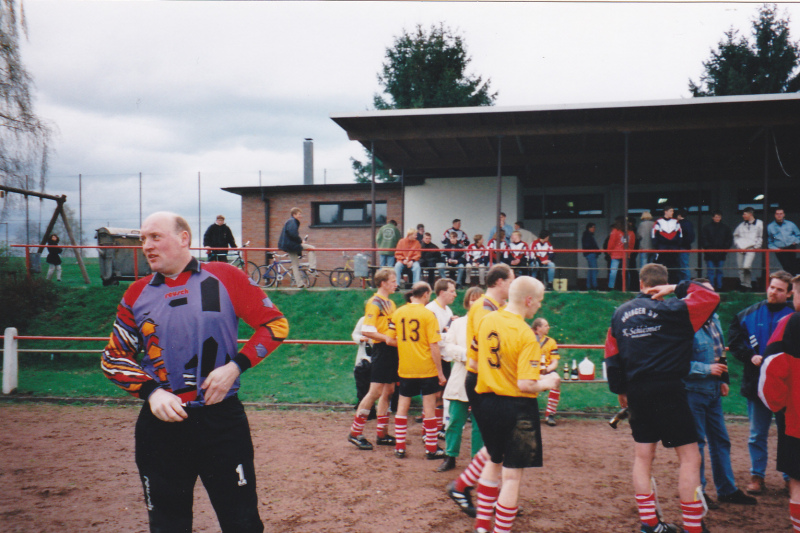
pixel 10 360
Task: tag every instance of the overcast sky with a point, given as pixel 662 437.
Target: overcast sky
pixel 228 89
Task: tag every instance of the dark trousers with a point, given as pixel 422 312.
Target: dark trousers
pixel 670 260
pixel 213 443
pixel 788 260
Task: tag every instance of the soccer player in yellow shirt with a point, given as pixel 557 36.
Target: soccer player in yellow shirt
pixel 498 280
pixel 383 374
pixel 508 412
pixel 420 367
pixel 550 359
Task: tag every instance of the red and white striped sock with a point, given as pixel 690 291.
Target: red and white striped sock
pixel 359 422
pixel 430 434
pixel 504 518
pixel 552 402
pixel 794 513
pixel 487 496
pixel 439 414
pixel 383 425
pixel 693 516
pixel 469 477
pixel 400 428
pixel 647 508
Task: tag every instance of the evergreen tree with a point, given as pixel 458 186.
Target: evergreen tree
pixel 425 69
pixel 764 65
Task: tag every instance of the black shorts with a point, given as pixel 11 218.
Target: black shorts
pixel 788 449
pixel 510 429
pixel 384 364
pixel 659 411
pixel 410 387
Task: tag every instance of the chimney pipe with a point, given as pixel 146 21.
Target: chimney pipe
pixel 308 162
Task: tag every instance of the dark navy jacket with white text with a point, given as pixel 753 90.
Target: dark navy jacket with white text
pixel 651 340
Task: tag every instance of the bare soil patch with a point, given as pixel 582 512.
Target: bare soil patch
pixel 71 469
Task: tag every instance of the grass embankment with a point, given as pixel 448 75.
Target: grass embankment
pixel 309 373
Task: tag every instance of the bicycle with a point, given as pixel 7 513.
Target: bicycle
pixel 249 268
pixel 342 277
pixel 277 273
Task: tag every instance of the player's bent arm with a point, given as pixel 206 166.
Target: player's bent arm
pixel 380 337
pixel 219 382
pixel 437 359
pixel 546 382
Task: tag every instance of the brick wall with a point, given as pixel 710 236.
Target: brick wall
pixel 281 203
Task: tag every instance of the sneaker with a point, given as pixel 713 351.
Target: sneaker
pixel 449 463
pixel 359 442
pixel 400 454
pixel 462 499
pixel 756 485
pixel 711 504
pixel 550 421
pixel 737 497
pixel 661 527
pixel 441 435
pixel 438 454
pixel 387 440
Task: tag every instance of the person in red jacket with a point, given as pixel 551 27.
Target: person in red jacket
pixel 779 389
pixel 616 249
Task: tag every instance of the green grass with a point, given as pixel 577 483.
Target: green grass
pixel 310 373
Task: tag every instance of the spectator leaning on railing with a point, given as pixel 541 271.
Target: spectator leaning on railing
pixel 784 235
pixel 715 236
pixel 747 236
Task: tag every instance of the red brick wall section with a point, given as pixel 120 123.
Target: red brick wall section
pixel 281 204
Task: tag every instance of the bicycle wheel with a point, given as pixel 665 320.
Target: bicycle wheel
pixel 252 271
pixel 269 275
pixel 303 279
pixel 312 278
pixel 341 278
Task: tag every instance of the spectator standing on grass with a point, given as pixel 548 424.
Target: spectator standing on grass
pixel 184 319
pixel 706 384
pixel 291 243
pixel 589 243
pixel 617 247
pixel 779 389
pixel 218 235
pixel 455 351
pixel 407 256
pixel 648 352
pixel 687 239
pixel 716 236
pixel 783 235
pixel 54 257
pixel 667 236
pixel 748 235
pixel 644 236
pixel 508 411
pixel 386 239
pixel 748 336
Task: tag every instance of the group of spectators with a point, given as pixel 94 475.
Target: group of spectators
pixel 417 255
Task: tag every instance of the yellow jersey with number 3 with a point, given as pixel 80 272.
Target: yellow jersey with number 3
pixel 415 329
pixel 507 352
pixel 479 309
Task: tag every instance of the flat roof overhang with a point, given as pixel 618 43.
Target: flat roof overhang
pixel 584 144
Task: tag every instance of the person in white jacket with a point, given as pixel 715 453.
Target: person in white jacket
pixel 455 350
pixel 749 235
pixel 363 366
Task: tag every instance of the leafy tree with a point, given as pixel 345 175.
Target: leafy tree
pixel 24 137
pixel 425 69
pixel 763 65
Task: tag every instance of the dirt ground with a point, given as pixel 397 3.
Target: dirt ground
pixel 71 469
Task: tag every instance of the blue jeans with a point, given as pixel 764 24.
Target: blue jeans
pixel 387 260
pixel 644 259
pixel 591 274
pixel 760 420
pixel 683 262
pixel 612 272
pixel 551 271
pixel 416 271
pixel 714 273
pixel 710 424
